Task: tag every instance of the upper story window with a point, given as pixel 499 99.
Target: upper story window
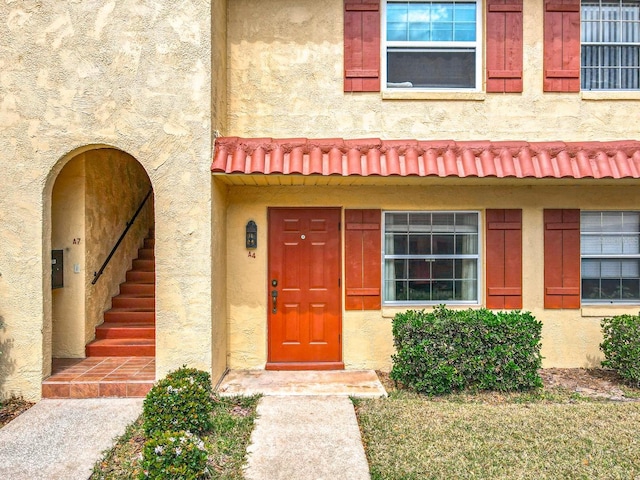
pixel 432 45
pixel 610 255
pixel 431 257
pixel 610 45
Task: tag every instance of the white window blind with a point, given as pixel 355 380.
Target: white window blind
pixel 610 251
pixel 610 45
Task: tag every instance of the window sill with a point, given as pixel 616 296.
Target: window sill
pixel 609 95
pixel 609 310
pixel 389 311
pixel 433 95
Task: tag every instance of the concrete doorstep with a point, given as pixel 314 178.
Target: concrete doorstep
pixel 306 438
pixel 355 383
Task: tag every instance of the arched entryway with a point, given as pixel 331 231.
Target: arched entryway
pixel 103 271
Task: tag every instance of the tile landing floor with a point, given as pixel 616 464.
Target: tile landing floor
pixel 95 377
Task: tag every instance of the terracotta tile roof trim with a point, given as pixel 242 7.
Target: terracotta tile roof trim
pixel 442 158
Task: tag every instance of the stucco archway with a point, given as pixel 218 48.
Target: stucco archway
pixel 92 195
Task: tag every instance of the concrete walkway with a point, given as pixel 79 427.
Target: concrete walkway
pixel 306 438
pixel 306 427
pixel 306 430
pixel 62 439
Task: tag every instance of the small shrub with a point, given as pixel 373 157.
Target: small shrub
pixel 176 455
pixel 621 346
pixel 181 401
pixel 199 376
pixel 446 350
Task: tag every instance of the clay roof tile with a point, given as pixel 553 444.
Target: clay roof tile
pixel 444 158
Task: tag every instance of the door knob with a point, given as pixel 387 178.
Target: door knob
pixel 274 301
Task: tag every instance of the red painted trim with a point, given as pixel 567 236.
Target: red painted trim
pixel 504 258
pixel 363 259
pixel 304 366
pixel 562 46
pixel 361 46
pixel 362 291
pixel 562 259
pixel 504 40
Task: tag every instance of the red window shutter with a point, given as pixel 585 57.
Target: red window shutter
pixel 562 258
pixel 362 259
pixel 504 45
pixel 361 45
pixel 562 46
pixel 504 259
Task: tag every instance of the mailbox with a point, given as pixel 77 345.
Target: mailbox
pixel 57 269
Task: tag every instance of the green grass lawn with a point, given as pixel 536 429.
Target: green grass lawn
pixel 227 443
pixel 518 436
pixel 547 434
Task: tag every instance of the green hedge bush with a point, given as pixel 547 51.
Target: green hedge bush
pixel 201 377
pixel 621 346
pixel 180 401
pixel 175 455
pixel 450 350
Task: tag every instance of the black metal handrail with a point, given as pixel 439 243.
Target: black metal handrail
pixel 96 275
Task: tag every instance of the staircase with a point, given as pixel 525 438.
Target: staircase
pixel 129 328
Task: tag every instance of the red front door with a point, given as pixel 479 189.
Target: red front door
pixel 305 322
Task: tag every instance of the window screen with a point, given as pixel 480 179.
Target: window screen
pixel 610 45
pixel 431 257
pixel 432 45
pixel 610 253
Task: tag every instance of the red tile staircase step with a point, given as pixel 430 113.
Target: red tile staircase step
pixel 146 253
pixel 129 315
pixel 129 326
pixel 122 347
pixel 146 330
pixel 133 302
pixel 136 276
pixel 138 302
pixel 144 265
pixel 127 288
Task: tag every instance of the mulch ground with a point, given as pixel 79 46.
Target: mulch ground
pixel 590 382
pixel 10 409
pixel 587 382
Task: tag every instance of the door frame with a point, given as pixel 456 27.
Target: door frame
pixel 331 365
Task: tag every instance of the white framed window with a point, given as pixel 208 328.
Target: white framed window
pixel 610 256
pixel 610 45
pixel 432 45
pixel 431 257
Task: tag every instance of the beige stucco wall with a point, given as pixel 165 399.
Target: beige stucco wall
pixel 219 98
pixel 135 75
pixel 93 198
pixel 218 296
pixel 219 322
pixel 116 185
pixel 285 80
pixel 67 234
pixel 570 337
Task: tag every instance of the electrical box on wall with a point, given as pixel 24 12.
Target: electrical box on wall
pixel 57 269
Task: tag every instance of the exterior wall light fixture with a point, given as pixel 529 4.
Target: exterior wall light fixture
pixel 252 234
